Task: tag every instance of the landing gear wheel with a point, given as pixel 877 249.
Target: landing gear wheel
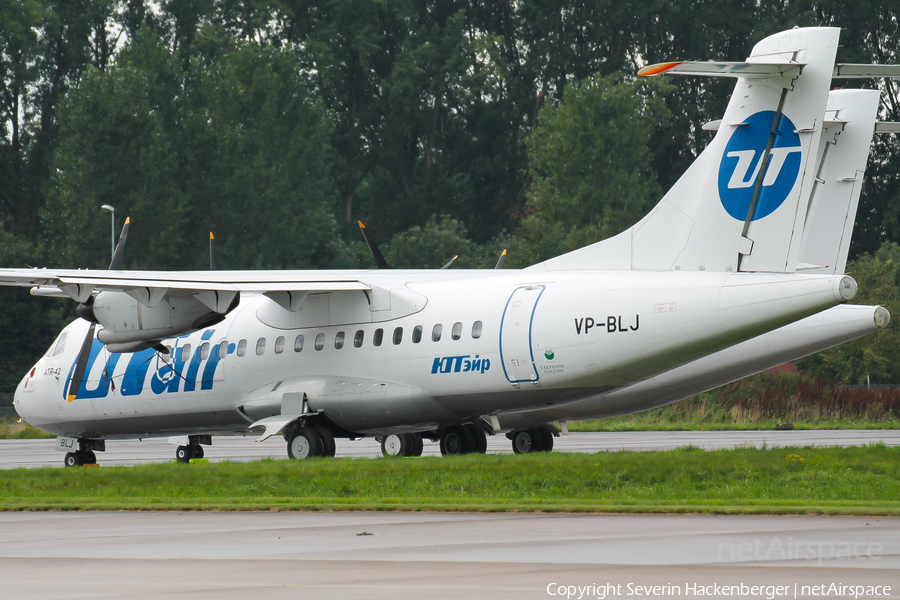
pixel 183 454
pixel 523 442
pixel 304 442
pixel 89 458
pixel 457 440
pixel 197 451
pixel 479 436
pixel 546 437
pixel 396 444
pixel 73 459
pixel 415 444
pixel 328 446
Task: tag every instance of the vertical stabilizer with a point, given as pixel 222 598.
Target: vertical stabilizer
pixel 843 154
pixel 742 205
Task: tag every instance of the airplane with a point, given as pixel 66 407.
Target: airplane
pixel 738 268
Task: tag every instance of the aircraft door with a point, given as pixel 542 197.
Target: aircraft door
pixel 515 334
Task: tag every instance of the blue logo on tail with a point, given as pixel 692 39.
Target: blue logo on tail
pixel 740 166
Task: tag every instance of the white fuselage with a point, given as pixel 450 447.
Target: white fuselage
pixel 509 341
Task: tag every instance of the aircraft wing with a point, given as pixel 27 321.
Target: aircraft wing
pixel 79 284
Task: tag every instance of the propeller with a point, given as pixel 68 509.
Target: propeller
pixel 213 255
pixel 502 260
pixel 85 310
pixel 78 374
pixel 116 263
pixel 373 248
pixel 380 262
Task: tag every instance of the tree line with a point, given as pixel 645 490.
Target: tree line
pixel 451 127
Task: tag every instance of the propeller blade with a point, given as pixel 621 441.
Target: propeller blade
pixel 116 263
pixel 450 262
pixel 80 364
pixel 376 253
pixel 502 260
pixel 213 255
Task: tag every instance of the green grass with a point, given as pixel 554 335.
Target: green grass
pixel 12 430
pixel 864 480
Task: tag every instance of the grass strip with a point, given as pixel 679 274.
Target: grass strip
pixel 858 481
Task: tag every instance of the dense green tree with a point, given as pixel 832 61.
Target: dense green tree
pixel 590 157
pixel 235 145
pixel 873 356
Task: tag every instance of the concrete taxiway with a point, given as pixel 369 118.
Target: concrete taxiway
pixel 38 453
pixel 426 555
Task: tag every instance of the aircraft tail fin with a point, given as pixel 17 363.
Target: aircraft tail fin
pixel 843 152
pixel 743 204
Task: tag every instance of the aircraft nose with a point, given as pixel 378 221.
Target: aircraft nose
pixel 20 396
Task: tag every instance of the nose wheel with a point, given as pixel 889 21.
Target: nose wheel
pixel 84 455
pixel 193 449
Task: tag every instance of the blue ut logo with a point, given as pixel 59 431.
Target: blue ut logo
pixel 742 160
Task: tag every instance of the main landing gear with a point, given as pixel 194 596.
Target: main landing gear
pixel 402 444
pixel 539 439
pixel 307 442
pixel 463 439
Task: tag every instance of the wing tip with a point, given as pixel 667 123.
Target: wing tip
pixel 658 68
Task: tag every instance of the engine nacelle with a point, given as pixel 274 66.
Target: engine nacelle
pixel 128 323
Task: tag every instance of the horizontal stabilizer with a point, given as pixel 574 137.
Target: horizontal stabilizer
pixel 849 71
pixel 750 70
pixel 887 127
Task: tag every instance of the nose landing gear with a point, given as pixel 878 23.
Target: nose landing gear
pixel 84 451
pixel 193 449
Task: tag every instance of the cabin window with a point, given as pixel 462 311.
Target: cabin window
pixel 61 344
pixel 260 346
pixel 279 344
pixel 456 333
pixel 339 340
pixel 204 351
pixel 378 337
pixel 358 338
pixel 242 348
pixel 436 333
pixel 476 330
pixel 320 341
pixel 298 343
pixel 223 349
pixel 417 334
pixel 398 335
pixel 186 353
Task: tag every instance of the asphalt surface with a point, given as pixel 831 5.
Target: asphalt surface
pixel 39 453
pixel 426 555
